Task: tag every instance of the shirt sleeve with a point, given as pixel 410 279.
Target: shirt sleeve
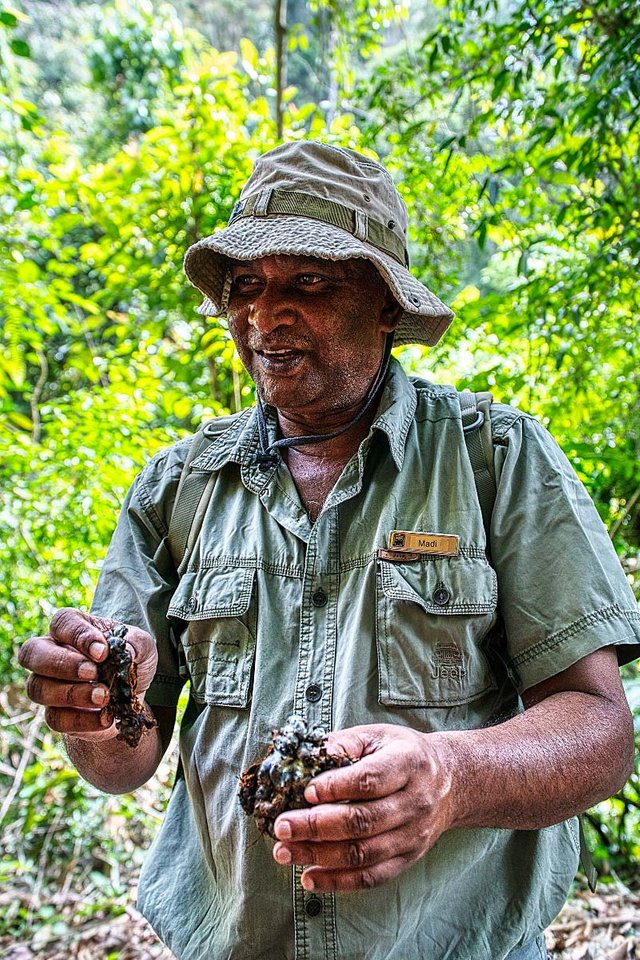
pixel 562 591
pixel 138 577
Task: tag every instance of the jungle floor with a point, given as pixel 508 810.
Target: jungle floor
pixel 602 926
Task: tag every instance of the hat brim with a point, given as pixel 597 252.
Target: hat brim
pixel 206 265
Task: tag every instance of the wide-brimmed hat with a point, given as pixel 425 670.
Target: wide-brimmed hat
pixel 314 199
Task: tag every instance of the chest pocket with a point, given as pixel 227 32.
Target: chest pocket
pixel 432 618
pixel 218 610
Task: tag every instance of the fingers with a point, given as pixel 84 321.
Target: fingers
pixel 347 821
pixel 345 881
pixel 373 819
pixel 372 777
pixel 56 693
pixel 354 864
pixel 76 642
pixel 350 855
pixel 76 723
pixel 43 656
pixel 76 629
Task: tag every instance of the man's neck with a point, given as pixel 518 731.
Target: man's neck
pixel 340 448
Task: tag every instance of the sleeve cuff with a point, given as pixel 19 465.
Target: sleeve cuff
pixel 609 626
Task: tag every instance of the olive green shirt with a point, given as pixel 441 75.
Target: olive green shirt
pixel 282 615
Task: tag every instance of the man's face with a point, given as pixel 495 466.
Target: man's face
pixel 309 331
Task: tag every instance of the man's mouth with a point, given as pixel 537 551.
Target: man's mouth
pixel 280 360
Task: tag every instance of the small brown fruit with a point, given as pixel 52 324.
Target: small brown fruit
pixel 277 783
pixel 119 674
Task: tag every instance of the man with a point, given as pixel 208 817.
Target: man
pixel 482 699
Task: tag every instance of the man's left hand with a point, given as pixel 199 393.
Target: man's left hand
pixel 372 820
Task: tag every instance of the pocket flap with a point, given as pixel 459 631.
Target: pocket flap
pixel 456 585
pixel 215 592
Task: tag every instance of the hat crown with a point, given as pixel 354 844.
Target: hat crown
pixel 333 173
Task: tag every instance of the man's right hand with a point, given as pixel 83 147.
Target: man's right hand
pixel 64 673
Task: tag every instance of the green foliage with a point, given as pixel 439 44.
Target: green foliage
pixel 136 59
pixel 512 135
pixel 517 132
pixel 68 852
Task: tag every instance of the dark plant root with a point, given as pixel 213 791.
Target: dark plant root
pixel 119 674
pixel 277 783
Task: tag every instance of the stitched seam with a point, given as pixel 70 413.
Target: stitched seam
pixel 503 422
pixel 182 613
pixel 250 563
pixel 209 658
pixel 590 620
pixel 438 703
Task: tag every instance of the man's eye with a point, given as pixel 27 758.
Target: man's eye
pixel 244 280
pixel 310 279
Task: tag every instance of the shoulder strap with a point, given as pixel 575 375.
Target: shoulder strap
pixel 193 494
pixel 478 438
pixel 476 425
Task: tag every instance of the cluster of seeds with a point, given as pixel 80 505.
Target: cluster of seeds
pixel 277 783
pixel 118 673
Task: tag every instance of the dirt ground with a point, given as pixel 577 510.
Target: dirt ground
pixel 603 926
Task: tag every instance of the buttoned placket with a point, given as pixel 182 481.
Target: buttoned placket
pixel 315 931
pixel 314 916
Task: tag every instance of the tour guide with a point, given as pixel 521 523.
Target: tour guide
pixel 342 572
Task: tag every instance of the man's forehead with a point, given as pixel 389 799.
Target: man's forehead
pixel 347 267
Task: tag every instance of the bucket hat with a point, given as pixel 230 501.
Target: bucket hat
pixel 316 199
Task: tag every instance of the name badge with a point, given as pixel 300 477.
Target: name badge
pixel 443 544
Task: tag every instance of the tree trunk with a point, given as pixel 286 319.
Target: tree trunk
pixel 280 24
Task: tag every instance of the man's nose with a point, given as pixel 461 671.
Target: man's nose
pixel 270 310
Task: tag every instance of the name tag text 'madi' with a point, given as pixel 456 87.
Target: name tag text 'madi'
pixel 444 544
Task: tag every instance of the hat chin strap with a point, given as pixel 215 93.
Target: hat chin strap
pixel 268 455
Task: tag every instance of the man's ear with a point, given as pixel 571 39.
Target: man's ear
pixel 391 313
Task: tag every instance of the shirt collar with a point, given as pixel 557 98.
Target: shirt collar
pixel 239 442
pixel 396 410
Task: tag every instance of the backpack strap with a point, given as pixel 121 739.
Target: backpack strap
pixel 478 438
pixel 193 494
pixel 476 425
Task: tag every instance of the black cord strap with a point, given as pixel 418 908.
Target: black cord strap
pixel 267 455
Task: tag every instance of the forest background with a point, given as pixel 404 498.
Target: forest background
pixel 126 132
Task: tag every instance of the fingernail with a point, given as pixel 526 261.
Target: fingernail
pixel 87 671
pixel 307 882
pixel 98 696
pixel 283 855
pixel 283 830
pixel 96 649
pixel 311 794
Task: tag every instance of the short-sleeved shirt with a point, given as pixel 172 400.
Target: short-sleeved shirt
pixel 283 615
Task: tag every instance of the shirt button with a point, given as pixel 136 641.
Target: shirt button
pixel 313 692
pixel 192 604
pixel 313 906
pixel 319 598
pixel 441 596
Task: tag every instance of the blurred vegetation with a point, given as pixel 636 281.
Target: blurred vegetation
pixel 126 132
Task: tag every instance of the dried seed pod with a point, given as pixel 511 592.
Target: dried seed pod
pixel 277 783
pixel 119 674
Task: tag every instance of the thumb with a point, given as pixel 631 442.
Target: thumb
pixel 76 629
